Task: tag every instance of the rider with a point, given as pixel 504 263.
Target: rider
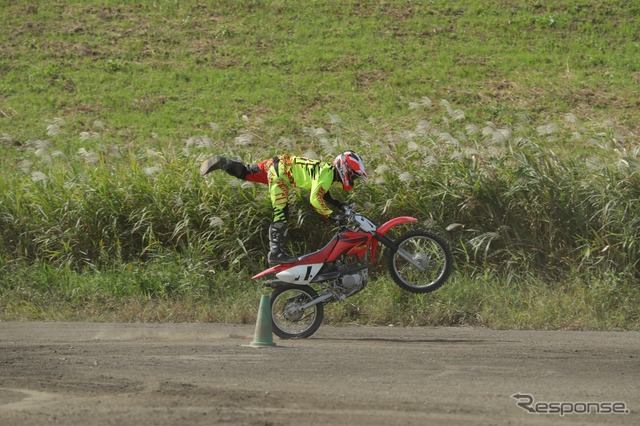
pixel 285 171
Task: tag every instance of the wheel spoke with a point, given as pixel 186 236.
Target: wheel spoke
pixel 291 313
pixel 421 263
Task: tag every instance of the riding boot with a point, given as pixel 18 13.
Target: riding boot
pixel 277 253
pixel 218 162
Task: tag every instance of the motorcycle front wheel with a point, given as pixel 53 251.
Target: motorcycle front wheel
pixel 289 317
pixel 422 262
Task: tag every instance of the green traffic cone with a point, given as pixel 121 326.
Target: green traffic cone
pixel 263 336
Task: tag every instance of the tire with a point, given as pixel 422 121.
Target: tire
pixel 428 249
pixel 289 322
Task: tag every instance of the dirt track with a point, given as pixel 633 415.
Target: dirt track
pixel 170 374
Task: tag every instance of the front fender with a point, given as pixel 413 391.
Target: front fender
pixel 385 227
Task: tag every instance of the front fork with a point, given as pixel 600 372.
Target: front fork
pixel 390 244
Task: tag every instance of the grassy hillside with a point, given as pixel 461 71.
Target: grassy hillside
pixel 511 127
pixel 171 68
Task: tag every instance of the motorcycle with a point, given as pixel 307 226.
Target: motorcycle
pixel 419 261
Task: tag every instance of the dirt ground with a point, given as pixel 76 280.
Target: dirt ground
pixel 193 374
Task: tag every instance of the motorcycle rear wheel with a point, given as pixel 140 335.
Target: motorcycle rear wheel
pixel 427 249
pixel 289 320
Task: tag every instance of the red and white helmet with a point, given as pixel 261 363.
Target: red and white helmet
pixel 349 167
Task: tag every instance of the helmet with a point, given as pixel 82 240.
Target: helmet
pixel 349 167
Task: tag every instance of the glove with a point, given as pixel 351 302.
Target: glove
pixel 338 218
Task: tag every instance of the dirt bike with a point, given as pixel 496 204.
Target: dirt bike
pixel 418 261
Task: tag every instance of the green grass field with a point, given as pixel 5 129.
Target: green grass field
pixel 511 127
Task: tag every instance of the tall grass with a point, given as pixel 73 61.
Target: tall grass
pixel 506 201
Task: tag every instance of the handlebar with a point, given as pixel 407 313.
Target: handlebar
pixel 349 210
pixel 351 216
